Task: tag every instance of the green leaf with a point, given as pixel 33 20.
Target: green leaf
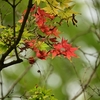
pixel 1 26
pixel 43 46
pixel 41 93
pixel 38 1
pixel 27 35
pixel 3 47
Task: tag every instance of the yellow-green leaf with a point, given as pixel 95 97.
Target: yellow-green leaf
pixel 38 1
pixel 1 26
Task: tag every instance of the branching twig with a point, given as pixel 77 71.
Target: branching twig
pixel 79 35
pixel 14 25
pixel 89 80
pixel 17 80
pixel 12 63
pixel 1 85
pixel 95 25
pixel 18 2
pixel 18 38
pixel 8 2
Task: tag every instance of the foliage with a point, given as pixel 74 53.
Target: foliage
pixel 36 30
pixel 40 93
pixel 41 32
pixel 36 37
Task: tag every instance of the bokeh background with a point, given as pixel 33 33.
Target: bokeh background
pixel 65 78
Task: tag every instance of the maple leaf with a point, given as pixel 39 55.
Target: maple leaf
pixel 55 53
pixel 55 31
pixel 70 53
pixel 65 49
pixel 58 46
pixel 65 44
pixel 38 1
pixel 43 46
pixel 51 7
pixel 41 54
pixel 68 50
pixel 44 28
pixel 53 39
pixel 31 60
pixel 30 43
pixel 49 31
pixel 42 13
pixel 40 21
pixel 41 16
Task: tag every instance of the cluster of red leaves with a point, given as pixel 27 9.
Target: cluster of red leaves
pixel 63 48
pixel 31 60
pixel 41 19
pixel 32 44
pixel 57 48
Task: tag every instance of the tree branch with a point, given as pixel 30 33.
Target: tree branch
pixel 17 80
pixel 89 80
pixel 8 2
pixel 12 63
pixel 19 36
pixel 18 2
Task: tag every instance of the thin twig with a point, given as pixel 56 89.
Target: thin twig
pixel 8 2
pixel 78 78
pixel 14 25
pixel 97 4
pixel 1 81
pixel 96 26
pixel 2 65
pixel 17 80
pixel 89 80
pixel 18 2
pixel 79 35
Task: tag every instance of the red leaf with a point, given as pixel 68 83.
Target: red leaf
pixel 53 39
pixel 41 19
pixel 31 60
pixel 64 49
pixel 44 29
pixel 55 31
pixel 44 14
pixel 33 8
pixel 41 54
pixel 30 43
pixel 54 53
pixel 70 53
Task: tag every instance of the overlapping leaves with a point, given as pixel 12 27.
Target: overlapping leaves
pixel 44 42
pixel 41 32
pixel 41 93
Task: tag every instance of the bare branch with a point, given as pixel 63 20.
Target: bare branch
pixel 1 82
pixel 18 2
pixel 89 80
pixel 8 2
pixel 17 80
pixel 79 35
pixel 12 63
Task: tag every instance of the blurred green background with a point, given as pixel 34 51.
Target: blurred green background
pixel 65 78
